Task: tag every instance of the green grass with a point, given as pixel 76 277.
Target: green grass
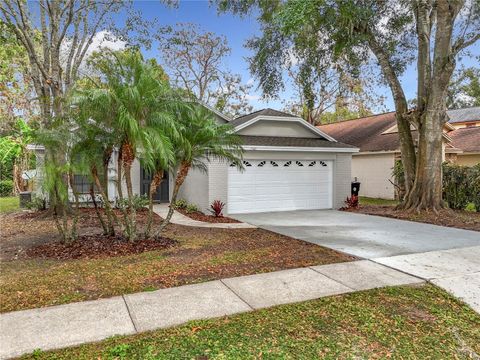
pixel 9 204
pixel 201 255
pixel 400 323
pixel 376 201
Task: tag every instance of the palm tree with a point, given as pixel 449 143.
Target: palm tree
pixel 136 97
pixel 201 140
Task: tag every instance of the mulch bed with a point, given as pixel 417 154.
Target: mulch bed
pixel 199 216
pixel 97 246
pixel 447 217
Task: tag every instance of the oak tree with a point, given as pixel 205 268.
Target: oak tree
pixel 428 33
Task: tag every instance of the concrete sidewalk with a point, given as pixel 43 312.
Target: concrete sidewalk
pixel 455 270
pixel 77 323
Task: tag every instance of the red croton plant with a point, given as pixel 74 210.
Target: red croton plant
pixel 216 208
pixel 352 202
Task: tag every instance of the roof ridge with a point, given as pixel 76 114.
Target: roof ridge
pixel 254 112
pixel 465 108
pixel 358 118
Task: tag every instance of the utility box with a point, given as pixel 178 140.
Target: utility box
pixel 25 198
pixel 355 187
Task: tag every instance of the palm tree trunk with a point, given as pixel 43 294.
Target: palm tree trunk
pixel 73 231
pixel 108 207
pixel 97 212
pixel 154 184
pixel 180 178
pixel 128 157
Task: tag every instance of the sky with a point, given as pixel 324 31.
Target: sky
pixel 238 30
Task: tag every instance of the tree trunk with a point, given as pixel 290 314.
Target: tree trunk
pixel 426 192
pixel 120 164
pixel 73 231
pixel 108 207
pixel 107 155
pixel 119 173
pixel 407 149
pixel 180 178
pixel 97 212
pixel 128 157
pixel 154 184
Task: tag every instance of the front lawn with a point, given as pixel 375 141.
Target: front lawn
pixel 200 254
pixel 8 204
pixel 363 200
pixel 447 217
pixel 400 323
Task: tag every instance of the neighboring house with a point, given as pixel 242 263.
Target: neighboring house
pixel 377 138
pixel 288 165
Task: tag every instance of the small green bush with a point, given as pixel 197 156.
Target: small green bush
pixel 180 204
pixel 138 202
pixel 470 207
pixel 6 187
pixel 191 208
pixel 38 203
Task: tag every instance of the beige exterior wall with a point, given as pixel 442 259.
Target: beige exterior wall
pixel 374 172
pixel 468 159
pixel 281 128
pixel 195 189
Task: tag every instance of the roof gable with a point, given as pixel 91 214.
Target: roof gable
pixel 275 123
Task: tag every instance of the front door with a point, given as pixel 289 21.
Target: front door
pixel 161 195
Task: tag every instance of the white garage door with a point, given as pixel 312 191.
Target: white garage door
pixel 280 185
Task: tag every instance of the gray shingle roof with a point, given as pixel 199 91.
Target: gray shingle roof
pixel 265 112
pixel 291 141
pixel 464 115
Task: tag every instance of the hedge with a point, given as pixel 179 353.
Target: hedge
pixel 6 187
pixel 461 184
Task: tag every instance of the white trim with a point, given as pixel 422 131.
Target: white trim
pixel 298 149
pixel 377 152
pixel 284 118
pixel 212 109
pixel 35 147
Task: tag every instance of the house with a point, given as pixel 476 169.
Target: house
pixel 377 138
pixel 289 164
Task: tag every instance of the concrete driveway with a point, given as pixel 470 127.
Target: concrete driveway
pixel 365 236
pixel 447 257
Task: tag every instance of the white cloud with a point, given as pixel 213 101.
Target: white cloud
pixel 105 40
pixel 250 82
pixel 101 40
pixel 251 97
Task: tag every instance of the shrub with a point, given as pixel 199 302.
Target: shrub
pixel 470 207
pixel 6 187
pixel 138 202
pixel 216 208
pixel 191 208
pixel 461 186
pixel 38 203
pixel 180 204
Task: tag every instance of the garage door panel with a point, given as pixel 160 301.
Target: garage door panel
pixel 264 187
